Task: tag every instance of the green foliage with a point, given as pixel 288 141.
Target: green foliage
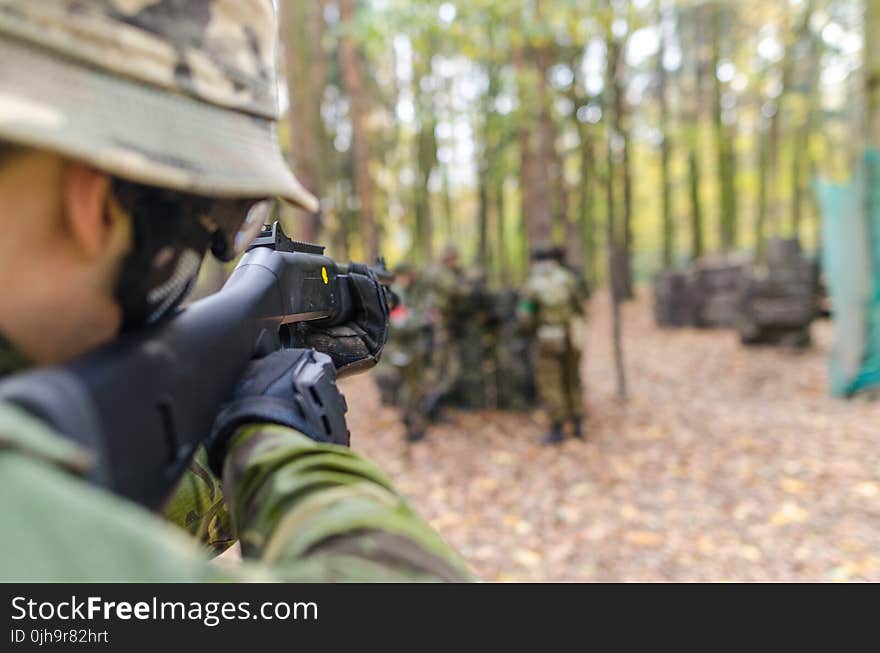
pixel 457 89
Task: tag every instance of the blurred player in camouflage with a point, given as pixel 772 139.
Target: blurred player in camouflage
pixel 511 349
pixel 475 387
pixel 409 351
pixel 449 288
pixel 134 136
pixel 549 304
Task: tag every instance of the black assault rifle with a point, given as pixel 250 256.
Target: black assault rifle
pixel 144 403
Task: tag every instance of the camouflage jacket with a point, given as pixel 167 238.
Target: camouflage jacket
pixel 412 316
pixel 551 298
pixel 302 512
pixel 447 290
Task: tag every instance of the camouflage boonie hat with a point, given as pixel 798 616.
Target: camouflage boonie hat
pixel 173 93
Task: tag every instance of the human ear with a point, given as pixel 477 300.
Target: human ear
pixel 85 195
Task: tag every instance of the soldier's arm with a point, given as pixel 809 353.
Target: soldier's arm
pixel 299 504
pixel 61 528
pixel 527 309
pixel 197 506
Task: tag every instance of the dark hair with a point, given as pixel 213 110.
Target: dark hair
pixel 182 214
pixel 7 151
pixel 548 253
pixel 158 214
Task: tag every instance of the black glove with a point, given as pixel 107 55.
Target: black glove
pixel 292 387
pixel 355 340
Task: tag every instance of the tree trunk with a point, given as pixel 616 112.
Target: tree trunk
pixel 584 244
pixel 621 130
pixel 809 129
pixel 347 223
pixel 551 167
pixel 500 232
pixel 537 207
pixel 872 71
pixel 668 227
pixel 586 213
pixel 698 247
pixel 550 160
pixel 483 217
pixel 307 77
pixel 353 80
pixel 448 208
pixel 692 135
pixel 488 149
pixel 761 221
pixel 628 280
pixel 426 161
pixel 797 164
pixel 774 160
pixel 723 144
pixel 616 259
pixel 614 274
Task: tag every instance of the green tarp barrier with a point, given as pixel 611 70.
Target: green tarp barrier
pixel 851 260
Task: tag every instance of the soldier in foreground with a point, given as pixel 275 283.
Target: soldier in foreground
pixel 134 137
pixel 550 302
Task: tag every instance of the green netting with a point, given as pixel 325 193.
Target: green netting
pixel 851 259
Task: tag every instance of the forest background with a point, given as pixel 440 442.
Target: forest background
pixel 641 134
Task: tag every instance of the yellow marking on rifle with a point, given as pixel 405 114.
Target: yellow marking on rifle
pixel 324 275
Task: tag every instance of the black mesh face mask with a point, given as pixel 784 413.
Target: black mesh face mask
pixel 171 234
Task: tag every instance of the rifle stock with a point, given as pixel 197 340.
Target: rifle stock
pixel 142 404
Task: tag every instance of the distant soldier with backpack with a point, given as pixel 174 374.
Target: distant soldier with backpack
pixel 550 302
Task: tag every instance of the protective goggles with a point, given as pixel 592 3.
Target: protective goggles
pixel 231 225
pixel 234 225
pixel 172 232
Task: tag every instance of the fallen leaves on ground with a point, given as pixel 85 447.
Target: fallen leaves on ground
pixel 727 463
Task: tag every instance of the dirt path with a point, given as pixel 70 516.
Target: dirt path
pixel 727 464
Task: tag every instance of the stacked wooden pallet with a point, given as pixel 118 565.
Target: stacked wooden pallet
pixel 673 299
pixel 717 288
pixel 779 303
pixel 770 304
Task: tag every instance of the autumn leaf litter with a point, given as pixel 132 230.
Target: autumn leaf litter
pixel 727 463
